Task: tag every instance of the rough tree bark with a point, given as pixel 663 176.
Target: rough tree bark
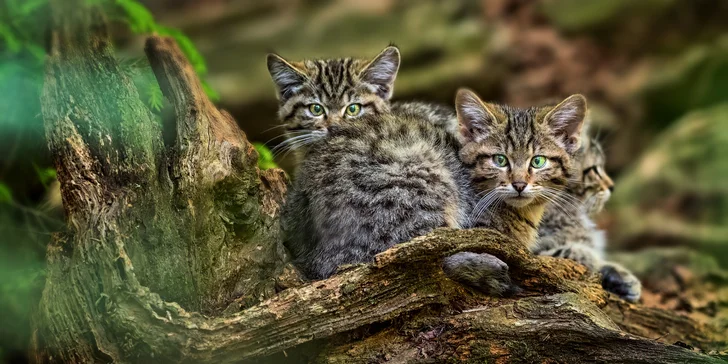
pixel 172 251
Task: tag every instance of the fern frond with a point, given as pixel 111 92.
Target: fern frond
pixel 6 195
pixel 155 98
pixel 187 47
pixel 139 18
pixel 10 39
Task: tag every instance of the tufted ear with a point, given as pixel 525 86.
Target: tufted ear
pixel 382 71
pixel 566 120
pixel 474 116
pixel 287 77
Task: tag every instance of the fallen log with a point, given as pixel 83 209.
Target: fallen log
pixel 172 252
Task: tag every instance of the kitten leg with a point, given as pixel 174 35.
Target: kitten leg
pixel 578 253
pixel 615 278
pixel 481 271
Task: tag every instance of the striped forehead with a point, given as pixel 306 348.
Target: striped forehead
pixel 332 78
pixel 520 129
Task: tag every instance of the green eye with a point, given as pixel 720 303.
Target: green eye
pixel 316 109
pixel 353 109
pixel 538 161
pixel 500 160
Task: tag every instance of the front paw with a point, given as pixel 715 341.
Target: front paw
pixel 619 280
pixel 484 272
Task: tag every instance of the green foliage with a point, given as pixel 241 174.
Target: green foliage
pixel 140 20
pixel 676 190
pixel 155 98
pixel 695 79
pixel 6 196
pixel 21 280
pixel 24 228
pixel 45 175
pixel 139 71
pixel 11 42
pixel 265 157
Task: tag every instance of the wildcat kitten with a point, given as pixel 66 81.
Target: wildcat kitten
pixel 567 230
pixel 316 94
pixel 370 185
pixel 518 160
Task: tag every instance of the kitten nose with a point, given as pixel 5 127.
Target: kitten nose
pixel 519 186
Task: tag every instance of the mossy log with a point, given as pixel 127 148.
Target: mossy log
pixel 172 252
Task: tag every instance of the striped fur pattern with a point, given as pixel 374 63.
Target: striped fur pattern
pixel 439 115
pixel 345 89
pixel 370 185
pixel 501 145
pixel 567 230
pixel 596 186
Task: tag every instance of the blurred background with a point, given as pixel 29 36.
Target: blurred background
pixel 655 73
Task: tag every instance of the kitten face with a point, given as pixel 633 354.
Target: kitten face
pixel 519 156
pixel 594 186
pixel 316 94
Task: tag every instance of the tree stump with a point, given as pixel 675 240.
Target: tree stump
pixel 172 252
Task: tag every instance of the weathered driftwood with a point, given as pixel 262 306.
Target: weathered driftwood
pixel 162 239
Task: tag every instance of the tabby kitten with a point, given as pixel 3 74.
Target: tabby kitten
pixel 519 159
pixel 316 94
pixel 567 230
pixel 370 185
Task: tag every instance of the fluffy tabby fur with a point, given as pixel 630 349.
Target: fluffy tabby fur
pixel 512 197
pixel 567 230
pixel 336 84
pixel 370 185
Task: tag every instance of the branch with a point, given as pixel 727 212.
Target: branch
pixel 210 145
pixel 564 328
pixel 371 293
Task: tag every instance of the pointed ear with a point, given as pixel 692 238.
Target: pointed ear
pixel 475 119
pixel 382 71
pixel 288 78
pixel 566 120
